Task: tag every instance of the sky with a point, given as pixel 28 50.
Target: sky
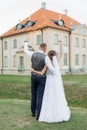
pixel 11 11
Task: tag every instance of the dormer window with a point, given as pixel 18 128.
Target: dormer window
pixel 30 23
pixel 59 22
pixel 19 26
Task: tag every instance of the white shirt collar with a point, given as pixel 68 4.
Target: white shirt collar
pixel 40 51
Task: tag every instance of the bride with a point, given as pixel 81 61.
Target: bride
pixel 54 106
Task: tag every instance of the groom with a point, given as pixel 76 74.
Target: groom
pixel 37 81
pixel 38 60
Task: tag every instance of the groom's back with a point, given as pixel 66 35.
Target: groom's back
pixel 38 61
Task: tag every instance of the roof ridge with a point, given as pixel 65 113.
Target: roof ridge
pixel 45 15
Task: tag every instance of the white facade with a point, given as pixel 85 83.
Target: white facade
pixel 0 57
pixel 79 48
pixel 74 49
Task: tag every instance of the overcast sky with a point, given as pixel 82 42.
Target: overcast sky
pixel 11 11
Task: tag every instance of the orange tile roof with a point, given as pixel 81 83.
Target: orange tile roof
pixel 44 18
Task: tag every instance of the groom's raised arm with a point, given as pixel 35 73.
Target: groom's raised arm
pixel 28 52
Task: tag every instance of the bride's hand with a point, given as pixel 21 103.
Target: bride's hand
pixel 31 69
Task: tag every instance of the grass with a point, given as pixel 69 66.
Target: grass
pixel 15 111
pixel 18 87
pixel 14 87
pixel 76 90
pixel 15 115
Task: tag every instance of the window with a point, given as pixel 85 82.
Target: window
pixel 21 63
pixel 39 39
pixel 5 45
pixel 83 60
pixel 14 61
pixel 15 43
pixel 65 59
pixel 65 40
pixel 55 39
pixel 59 22
pixel 76 59
pixel 5 61
pixel 19 26
pixel 76 42
pixel 30 23
pixel 83 43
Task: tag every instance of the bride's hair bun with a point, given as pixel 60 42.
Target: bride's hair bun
pixel 51 53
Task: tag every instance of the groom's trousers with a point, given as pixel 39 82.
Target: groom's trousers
pixel 37 91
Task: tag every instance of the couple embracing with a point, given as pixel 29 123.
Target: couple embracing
pixel 48 101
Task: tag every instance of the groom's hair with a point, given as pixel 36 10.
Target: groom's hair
pixel 43 45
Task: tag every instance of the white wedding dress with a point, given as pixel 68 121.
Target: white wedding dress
pixel 54 105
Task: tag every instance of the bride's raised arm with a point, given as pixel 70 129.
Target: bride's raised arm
pixel 55 62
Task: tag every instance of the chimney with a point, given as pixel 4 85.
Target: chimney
pixel 43 5
pixel 65 12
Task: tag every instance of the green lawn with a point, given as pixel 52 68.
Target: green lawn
pixel 76 90
pixel 18 87
pixel 15 115
pixel 15 104
pixel 14 87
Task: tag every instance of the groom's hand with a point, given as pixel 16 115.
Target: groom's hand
pixel 29 46
pixel 27 39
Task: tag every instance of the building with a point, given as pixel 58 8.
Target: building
pixel 47 26
pixel 0 57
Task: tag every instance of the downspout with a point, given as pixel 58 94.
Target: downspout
pixel 42 34
pixel 2 55
pixel 70 52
